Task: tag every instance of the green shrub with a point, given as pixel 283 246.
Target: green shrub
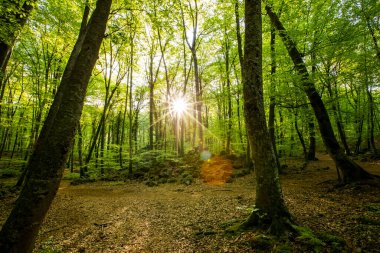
pixel 71 176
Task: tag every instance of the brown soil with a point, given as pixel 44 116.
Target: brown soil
pixel 131 217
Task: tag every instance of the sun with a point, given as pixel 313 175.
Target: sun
pixel 179 106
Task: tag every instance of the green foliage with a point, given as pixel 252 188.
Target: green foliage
pixel 373 207
pixel 71 176
pixel 186 178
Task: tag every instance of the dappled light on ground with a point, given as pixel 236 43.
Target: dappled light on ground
pixel 216 171
pixel 118 216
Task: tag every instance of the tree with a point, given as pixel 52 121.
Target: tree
pixel 351 171
pixel 270 207
pixel 13 17
pixel 45 167
pixel 193 44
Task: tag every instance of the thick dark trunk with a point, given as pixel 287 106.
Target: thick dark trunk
pixel 350 170
pixel 46 164
pixel 269 199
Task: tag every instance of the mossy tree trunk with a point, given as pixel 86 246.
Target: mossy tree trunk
pixel 270 210
pixel 45 166
pixel 350 170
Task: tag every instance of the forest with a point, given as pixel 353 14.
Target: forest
pixel 189 126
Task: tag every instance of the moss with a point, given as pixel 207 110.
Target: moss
pixel 368 221
pixel 336 243
pixel 373 207
pixel 307 237
pixel 283 248
pixel 262 242
pixel 229 223
pixel 234 229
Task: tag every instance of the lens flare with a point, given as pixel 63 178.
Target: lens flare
pixel 179 106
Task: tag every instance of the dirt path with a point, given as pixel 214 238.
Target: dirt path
pixel 131 217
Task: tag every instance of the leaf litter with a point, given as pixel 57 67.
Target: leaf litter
pixel 132 217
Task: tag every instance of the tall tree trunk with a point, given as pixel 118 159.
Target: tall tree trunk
pixel 229 102
pixel 198 98
pixel 130 116
pixel 45 167
pixel 80 150
pixel 270 206
pixel 272 98
pixel 350 170
pixel 248 161
pixel 371 122
pixel 312 142
pixel 300 136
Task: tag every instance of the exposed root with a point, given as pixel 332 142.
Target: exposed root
pixel 276 226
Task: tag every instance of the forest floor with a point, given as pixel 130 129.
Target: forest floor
pixel 132 217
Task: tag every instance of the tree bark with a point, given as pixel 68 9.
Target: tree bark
pixel 312 141
pixel 300 136
pixel 270 209
pixel 45 167
pixel 272 96
pixel 350 170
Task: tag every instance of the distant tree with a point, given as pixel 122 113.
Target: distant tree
pixel 14 14
pixel 45 167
